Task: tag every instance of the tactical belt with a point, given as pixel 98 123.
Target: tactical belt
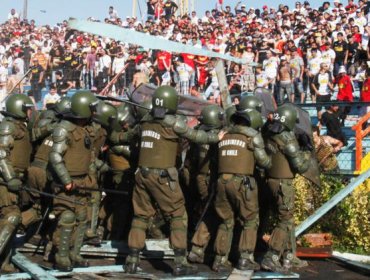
pixel 236 175
pixel 146 171
pixel 39 163
pixel 77 177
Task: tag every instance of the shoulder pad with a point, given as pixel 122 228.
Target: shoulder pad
pixel 180 126
pixel 48 114
pixel 258 141
pixel 169 120
pixel 67 125
pixel 6 128
pixel 284 138
pixel 44 122
pixel 60 133
pixel 3 154
pixel 148 117
pixel 245 130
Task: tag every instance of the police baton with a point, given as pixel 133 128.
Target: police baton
pixel 32 190
pixel 209 201
pixel 101 190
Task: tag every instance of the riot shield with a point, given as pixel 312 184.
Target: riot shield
pixel 188 105
pixel 269 104
pixel 303 129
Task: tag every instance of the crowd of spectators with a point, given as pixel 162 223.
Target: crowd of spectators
pixel 298 53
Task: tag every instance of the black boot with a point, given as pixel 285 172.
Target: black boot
pixel 132 261
pixel 75 254
pixel 182 267
pixel 246 262
pixel 221 264
pixel 271 262
pixel 291 261
pixel 196 255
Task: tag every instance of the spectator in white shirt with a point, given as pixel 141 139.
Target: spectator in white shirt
pixel 13 15
pixel 118 67
pixel 51 97
pixel 184 71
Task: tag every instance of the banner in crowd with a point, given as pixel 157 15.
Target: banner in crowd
pixel 144 40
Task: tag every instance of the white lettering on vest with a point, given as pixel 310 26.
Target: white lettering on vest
pixel 232 142
pixel 148 145
pixel 151 133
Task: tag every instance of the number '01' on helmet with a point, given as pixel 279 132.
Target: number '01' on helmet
pixel 165 98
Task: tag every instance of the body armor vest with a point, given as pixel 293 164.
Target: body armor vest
pixel 158 146
pixel 44 149
pixel 235 155
pixel 78 156
pixel 325 156
pixel 20 155
pixel 280 168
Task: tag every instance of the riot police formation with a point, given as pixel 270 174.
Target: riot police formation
pixel 54 169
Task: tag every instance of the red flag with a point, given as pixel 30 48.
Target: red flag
pixel 221 2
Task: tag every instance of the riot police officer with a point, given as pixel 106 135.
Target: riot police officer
pixel 37 172
pixel 103 116
pixel 287 160
pixel 237 193
pixel 70 159
pixel 203 163
pixel 116 212
pixel 15 153
pixel 157 178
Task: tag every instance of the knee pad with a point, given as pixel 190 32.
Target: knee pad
pixel 140 223
pixel 227 225
pixel 81 215
pixel 67 218
pixel 253 223
pixel 179 223
pixel 286 225
pixel 14 219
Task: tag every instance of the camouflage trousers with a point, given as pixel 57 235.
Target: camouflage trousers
pixel 150 188
pixel 236 199
pixel 282 237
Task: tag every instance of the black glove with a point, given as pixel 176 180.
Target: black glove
pixel 14 185
pixel 304 141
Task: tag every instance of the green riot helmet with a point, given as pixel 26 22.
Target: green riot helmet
pixel 248 117
pixel 104 113
pixel 250 102
pixel 17 105
pixel 141 112
pixel 124 116
pixel 62 105
pixel 211 117
pixel 164 101
pixel 228 113
pixel 287 115
pixel 82 104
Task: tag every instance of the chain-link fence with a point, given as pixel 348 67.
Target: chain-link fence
pixel 349 115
